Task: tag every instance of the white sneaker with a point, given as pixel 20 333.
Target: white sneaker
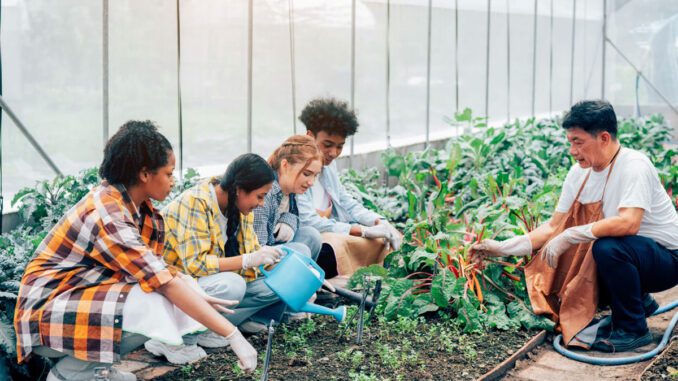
pixel 110 374
pixel 176 354
pixel 210 339
pixel 252 327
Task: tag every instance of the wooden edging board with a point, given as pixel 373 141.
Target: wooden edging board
pixel 508 364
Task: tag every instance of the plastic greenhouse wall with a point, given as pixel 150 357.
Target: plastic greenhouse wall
pixel 75 70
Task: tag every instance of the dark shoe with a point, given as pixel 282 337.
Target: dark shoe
pixel 649 305
pixel 622 341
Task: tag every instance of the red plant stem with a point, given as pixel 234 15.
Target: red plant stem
pixel 435 179
pixel 511 276
pixel 482 232
pixel 419 273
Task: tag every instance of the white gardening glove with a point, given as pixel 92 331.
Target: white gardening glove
pixel 247 355
pixel 396 238
pixel 267 255
pixel 376 231
pixel 563 241
pixel 283 232
pixel 518 246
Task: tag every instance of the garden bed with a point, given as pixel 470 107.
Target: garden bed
pixel 664 367
pixel 404 349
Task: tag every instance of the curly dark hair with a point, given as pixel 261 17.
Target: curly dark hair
pixel 330 115
pixel 136 145
pixel 593 117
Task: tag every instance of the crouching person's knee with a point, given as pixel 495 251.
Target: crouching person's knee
pixel 606 250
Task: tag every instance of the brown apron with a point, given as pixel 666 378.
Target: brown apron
pixel 568 294
pixel 353 253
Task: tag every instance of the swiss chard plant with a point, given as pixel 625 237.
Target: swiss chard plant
pixel 490 182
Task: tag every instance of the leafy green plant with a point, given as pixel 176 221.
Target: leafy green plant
pixel 491 182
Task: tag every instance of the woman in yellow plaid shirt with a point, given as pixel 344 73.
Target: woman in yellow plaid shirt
pixel 85 295
pixel 210 236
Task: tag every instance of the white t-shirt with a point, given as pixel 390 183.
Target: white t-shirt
pixel 284 206
pixel 221 219
pixel 634 183
pixel 321 199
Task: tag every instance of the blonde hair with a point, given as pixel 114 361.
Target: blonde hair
pixel 296 149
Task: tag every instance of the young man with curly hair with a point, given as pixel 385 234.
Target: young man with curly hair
pixel 353 236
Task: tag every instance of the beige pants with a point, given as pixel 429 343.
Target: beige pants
pixel 353 253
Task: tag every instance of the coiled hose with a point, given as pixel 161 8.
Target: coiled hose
pixel 623 360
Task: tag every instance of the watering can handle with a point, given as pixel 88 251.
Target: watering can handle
pixel 261 268
pixel 320 270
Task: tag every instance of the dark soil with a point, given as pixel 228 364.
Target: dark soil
pixel 404 350
pixel 665 367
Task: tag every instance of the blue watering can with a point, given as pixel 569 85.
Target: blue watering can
pixel 295 279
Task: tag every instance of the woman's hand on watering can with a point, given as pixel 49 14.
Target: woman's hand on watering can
pixel 247 355
pixel 267 255
pixel 283 232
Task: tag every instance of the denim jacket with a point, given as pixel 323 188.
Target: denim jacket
pixel 267 217
pixel 345 209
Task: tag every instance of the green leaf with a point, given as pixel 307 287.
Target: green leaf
pixel 7 337
pixel 465 116
pixel 421 258
pixel 424 304
pixel 468 316
pixel 445 287
pixel 518 311
pixel 398 298
pixel 8 295
pixel 371 270
pixel 496 314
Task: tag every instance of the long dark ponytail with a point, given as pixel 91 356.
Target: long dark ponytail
pixel 247 172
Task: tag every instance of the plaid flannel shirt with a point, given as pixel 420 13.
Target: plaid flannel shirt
pixel 73 290
pixel 267 217
pixel 194 241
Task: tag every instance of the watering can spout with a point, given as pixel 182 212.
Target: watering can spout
pixel 338 313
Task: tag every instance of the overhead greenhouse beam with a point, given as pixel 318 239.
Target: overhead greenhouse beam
pixel 292 66
pixel 28 136
pixel 642 75
pixel 428 73
pixel 180 115
pixel 388 73
pixel 250 64
pixel 105 73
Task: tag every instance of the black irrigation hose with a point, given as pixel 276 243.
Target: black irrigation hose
pixel 352 296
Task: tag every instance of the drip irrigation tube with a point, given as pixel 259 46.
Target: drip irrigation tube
pixel 623 360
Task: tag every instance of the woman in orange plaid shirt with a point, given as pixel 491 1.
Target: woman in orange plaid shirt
pixel 102 264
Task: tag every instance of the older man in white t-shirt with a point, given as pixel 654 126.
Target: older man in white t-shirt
pixel 634 241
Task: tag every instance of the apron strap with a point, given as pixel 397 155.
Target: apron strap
pixel 614 159
pixel 581 188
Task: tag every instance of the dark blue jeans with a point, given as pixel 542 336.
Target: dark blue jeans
pixel 628 267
